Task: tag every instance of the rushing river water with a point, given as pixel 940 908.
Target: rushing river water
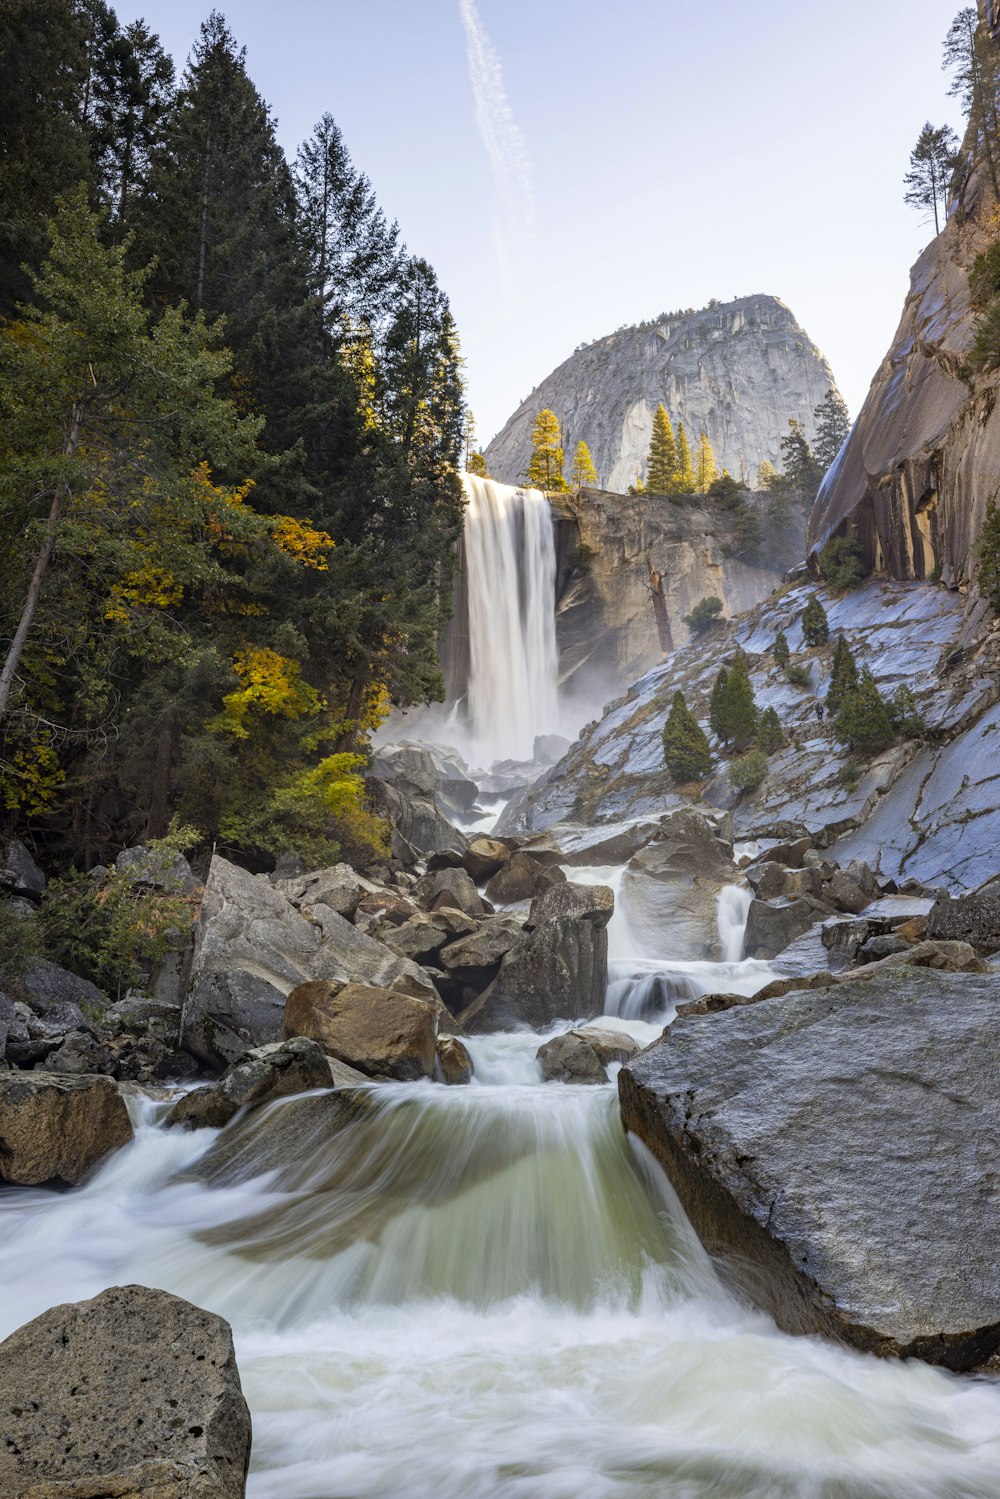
pixel 491 1293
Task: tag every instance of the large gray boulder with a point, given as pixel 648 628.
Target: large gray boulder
pixel 133 1395
pixel 773 925
pixel 419 793
pixel 253 946
pixel 841 1145
pixel 558 970
pixel 972 918
pixel 674 881
pixel 583 1054
pixel 19 874
pixel 55 1128
pixel 268 1072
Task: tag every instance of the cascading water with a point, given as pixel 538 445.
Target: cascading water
pixel 510 567
pixel 733 906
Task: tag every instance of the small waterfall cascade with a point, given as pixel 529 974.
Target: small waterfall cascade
pixel 732 908
pixel 510 568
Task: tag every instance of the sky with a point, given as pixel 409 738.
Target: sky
pixel 569 166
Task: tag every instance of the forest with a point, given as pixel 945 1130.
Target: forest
pixel 231 415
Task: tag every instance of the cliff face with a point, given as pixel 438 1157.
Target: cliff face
pixel 631 567
pixel 737 371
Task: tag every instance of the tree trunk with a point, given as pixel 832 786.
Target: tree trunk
pixel 660 609
pixel 41 565
pixel 159 804
pixel 203 229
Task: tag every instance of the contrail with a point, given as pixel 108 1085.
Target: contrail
pixel 514 215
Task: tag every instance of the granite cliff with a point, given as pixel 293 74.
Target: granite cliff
pixel 737 370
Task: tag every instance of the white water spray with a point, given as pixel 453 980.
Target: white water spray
pixel 732 907
pixel 510 564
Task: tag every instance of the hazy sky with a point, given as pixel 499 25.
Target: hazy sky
pixel 571 165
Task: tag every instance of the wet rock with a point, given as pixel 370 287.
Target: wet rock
pixel 57 1128
pixel 484 857
pixel 791 852
pixel 267 1072
pixel 18 871
pixel 252 947
pixel 557 970
pixel 378 1031
pixel 946 957
pixel 582 1055
pixel 133 1395
pixel 767 880
pixel 880 947
pixel 483 948
pixel 523 877
pixel 773 925
pixel 841 1144
pixel 452 888
pixel 844 893
pixel 454 1062
pixel 674 881
pixel 972 918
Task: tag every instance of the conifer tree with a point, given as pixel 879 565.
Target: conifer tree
pixel 766 474
pixel 662 463
pixel 686 750
pixel 801 473
pixel 779 649
pixel 988 576
pixel 932 162
pixel 684 481
pixel 477 465
pixel 738 711
pixel 706 469
pixel 863 721
pixel 583 473
pixel 843 676
pixel 833 426
pixel 815 626
pixel 972 56
pixel 717 704
pixel 545 468
pixel 770 736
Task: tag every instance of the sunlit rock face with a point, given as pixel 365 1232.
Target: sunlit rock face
pixel 738 371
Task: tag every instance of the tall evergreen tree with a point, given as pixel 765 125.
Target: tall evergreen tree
pixel 545 467
pixel 932 162
pixel 583 473
pixel 686 750
pixel 684 480
pixel 815 625
pixel 770 735
pixel 863 721
pixel 843 676
pixel 833 426
pixel 779 650
pixel 974 61
pixel 662 462
pixel 705 468
pixel 801 472
pixel 717 704
pixel 737 709
pixel 988 576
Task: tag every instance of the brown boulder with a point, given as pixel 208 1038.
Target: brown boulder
pixel 451 888
pixel 484 857
pixel 55 1127
pixel 454 1061
pixel 133 1395
pixel 522 878
pixel 379 1031
pixel 581 1055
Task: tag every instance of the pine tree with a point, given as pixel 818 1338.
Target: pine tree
pixel 779 649
pixel 973 57
pixel 738 709
pixel 545 468
pixel 770 735
pixel 477 465
pixel 583 473
pixel 717 704
pixel 833 426
pixel 863 721
pixel 988 576
pixel 815 626
pixel 706 469
pixel 801 473
pixel 686 750
pixel 932 162
pixel 662 462
pixel 843 676
pixel 684 481
pixel 766 474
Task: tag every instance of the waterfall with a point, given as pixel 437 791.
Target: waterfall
pixel 510 572
pixel 731 915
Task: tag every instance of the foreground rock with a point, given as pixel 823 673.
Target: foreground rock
pixel 133 1395
pixel 58 1129
pixel 378 1031
pixel 841 1144
pixel 254 945
pixel 266 1073
pixel 558 968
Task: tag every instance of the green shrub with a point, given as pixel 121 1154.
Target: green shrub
pixel 748 771
pixel 984 278
pixel 686 749
pixel 770 734
pixel 580 558
pixel 984 352
pixel 904 714
pixel 704 613
pixel 798 675
pixel 20 944
pixel 727 489
pixel 863 722
pixel 849 775
pixel 815 626
pixel 989 557
pixel 779 649
pixel 841 562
